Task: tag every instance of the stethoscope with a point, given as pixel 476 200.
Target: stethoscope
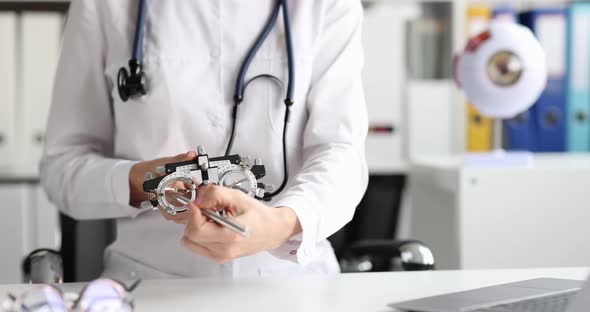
pixel 132 82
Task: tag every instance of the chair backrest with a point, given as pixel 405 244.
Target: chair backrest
pixel 82 247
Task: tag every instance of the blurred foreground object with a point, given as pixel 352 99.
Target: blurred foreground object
pixel 103 295
pixel 43 266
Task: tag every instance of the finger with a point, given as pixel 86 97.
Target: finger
pixel 174 159
pixel 196 221
pixel 222 252
pixel 216 197
pixel 182 157
pixel 150 166
pixel 211 232
pixel 201 230
pixel 198 249
pixel 195 215
pixel 179 218
pixel 218 252
pixel 166 215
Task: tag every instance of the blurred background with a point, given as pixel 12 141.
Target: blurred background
pixel 421 126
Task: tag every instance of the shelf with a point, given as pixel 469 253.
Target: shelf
pixel 34 5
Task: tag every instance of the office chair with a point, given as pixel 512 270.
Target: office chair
pixel 80 258
pixel 82 247
pixel 366 244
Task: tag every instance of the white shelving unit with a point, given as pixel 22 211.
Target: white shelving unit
pixel 414 107
pixel 28 220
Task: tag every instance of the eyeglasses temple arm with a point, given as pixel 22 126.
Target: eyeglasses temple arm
pixel 134 285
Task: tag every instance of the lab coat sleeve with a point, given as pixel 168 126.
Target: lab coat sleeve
pixel 78 171
pixel 325 192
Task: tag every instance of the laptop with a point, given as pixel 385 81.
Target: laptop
pixel 537 295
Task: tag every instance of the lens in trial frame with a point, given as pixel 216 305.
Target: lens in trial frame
pixel 238 180
pixel 180 188
pixel 173 186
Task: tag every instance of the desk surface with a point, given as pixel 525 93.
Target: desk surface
pixel 347 292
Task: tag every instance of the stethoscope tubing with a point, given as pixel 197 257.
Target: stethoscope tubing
pixel 138 75
pixel 290 53
pixel 139 31
pixel 240 83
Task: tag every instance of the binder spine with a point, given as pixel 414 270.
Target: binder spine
pixel 578 84
pixel 479 127
pixel 549 25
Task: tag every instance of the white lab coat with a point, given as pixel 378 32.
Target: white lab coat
pixel 192 53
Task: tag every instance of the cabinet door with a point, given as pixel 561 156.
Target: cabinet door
pixel 14 234
pixel 40 44
pixel 7 90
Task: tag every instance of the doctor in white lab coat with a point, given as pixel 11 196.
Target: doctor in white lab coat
pixel 99 147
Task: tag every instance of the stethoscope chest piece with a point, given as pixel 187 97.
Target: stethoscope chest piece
pixel 131 84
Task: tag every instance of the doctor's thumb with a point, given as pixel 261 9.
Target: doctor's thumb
pixel 186 156
pixel 207 196
pixel 213 196
pixel 179 158
pixel 196 216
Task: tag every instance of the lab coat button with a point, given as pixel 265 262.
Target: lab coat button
pixel 293 252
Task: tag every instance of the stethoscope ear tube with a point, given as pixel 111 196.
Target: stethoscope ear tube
pixel 290 98
pixel 241 85
pixel 132 82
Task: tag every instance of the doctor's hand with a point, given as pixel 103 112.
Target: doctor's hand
pixel 269 227
pixel 138 170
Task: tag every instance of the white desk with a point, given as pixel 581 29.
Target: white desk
pixel 347 292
